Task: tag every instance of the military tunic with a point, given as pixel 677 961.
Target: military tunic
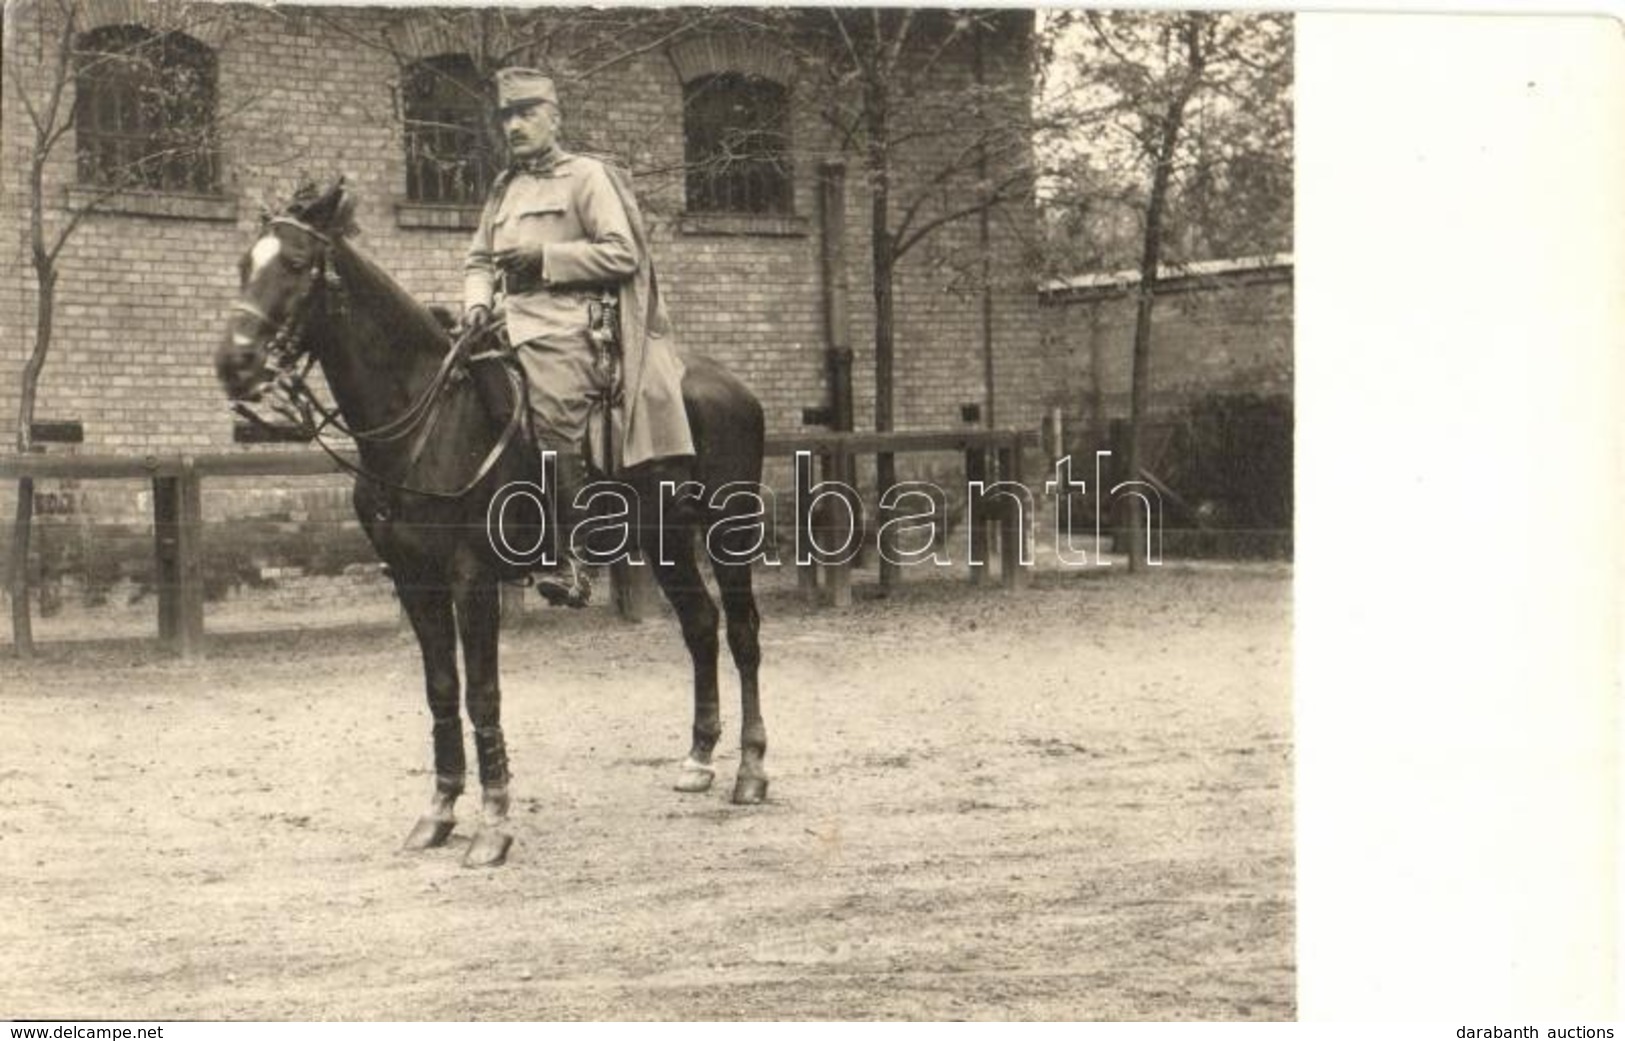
pixel 568 212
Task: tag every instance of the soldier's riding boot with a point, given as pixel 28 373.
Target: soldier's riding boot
pixel 566 583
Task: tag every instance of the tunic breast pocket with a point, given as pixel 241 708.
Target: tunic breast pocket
pixel 535 225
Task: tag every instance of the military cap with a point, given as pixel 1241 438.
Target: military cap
pixel 520 86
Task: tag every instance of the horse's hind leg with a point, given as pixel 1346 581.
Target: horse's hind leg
pixel 684 588
pixel 478 616
pixel 744 624
pixel 429 610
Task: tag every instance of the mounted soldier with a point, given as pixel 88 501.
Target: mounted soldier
pixel 561 257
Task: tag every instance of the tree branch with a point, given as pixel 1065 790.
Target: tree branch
pixel 928 62
pixel 968 159
pixel 64 64
pixel 846 38
pixel 20 91
pixel 653 45
pixel 894 54
pixel 1000 195
pixel 1104 39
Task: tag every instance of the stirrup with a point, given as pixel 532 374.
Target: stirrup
pixel 565 586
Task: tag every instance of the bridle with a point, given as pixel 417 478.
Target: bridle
pixel 289 360
pixel 285 353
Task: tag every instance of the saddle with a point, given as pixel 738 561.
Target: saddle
pixel 608 397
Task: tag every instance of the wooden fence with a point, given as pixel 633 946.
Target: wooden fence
pixel 177 506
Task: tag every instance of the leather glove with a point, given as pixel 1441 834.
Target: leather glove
pixel 475 319
pixel 520 266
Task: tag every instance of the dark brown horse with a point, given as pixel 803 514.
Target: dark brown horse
pixel 431 458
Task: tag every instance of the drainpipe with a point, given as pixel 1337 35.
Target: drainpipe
pixel 837 351
pixel 984 235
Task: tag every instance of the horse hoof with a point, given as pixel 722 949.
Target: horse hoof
pixel 748 791
pixel 427 833
pixel 695 776
pixel 489 849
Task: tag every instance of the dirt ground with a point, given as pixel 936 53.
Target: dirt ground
pixel 1068 803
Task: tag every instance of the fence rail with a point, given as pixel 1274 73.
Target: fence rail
pixel 177 503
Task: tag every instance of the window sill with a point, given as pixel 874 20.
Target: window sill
pixel 781 226
pixel 430 215
pixel 172 205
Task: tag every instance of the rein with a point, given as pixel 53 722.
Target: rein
pixel 290 360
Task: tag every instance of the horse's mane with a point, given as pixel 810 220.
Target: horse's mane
pixel 332 211
pixel 409 315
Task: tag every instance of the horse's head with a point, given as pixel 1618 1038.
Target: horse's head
pixel 282 277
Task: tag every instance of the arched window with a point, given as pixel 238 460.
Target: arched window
pixel 448 150
pixel 737 144
pixel 145 111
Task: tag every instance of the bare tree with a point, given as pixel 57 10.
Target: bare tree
pixel 164 96
pixel 1188 119
pixel 940 140
pixel 889 90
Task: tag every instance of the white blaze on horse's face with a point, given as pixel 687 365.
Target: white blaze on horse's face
pixel 238 361
pixel 264 252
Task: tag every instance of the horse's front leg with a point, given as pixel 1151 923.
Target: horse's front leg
pixel 684 588
pixel 428 607
pixel 744 641
pixel 479 613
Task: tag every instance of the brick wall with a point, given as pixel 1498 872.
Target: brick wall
pixel 1211 334
pixel 142 297
pixel 144 290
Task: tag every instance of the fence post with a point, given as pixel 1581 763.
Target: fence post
pixel 629 588
pixel 806 574
pixel 838 577
pixel 512 604
pixel 1012 523
pixel 177 527
pixel 166 510
pixel 22 618
pixel 891 575
pixel 976 528
pixel 189 559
